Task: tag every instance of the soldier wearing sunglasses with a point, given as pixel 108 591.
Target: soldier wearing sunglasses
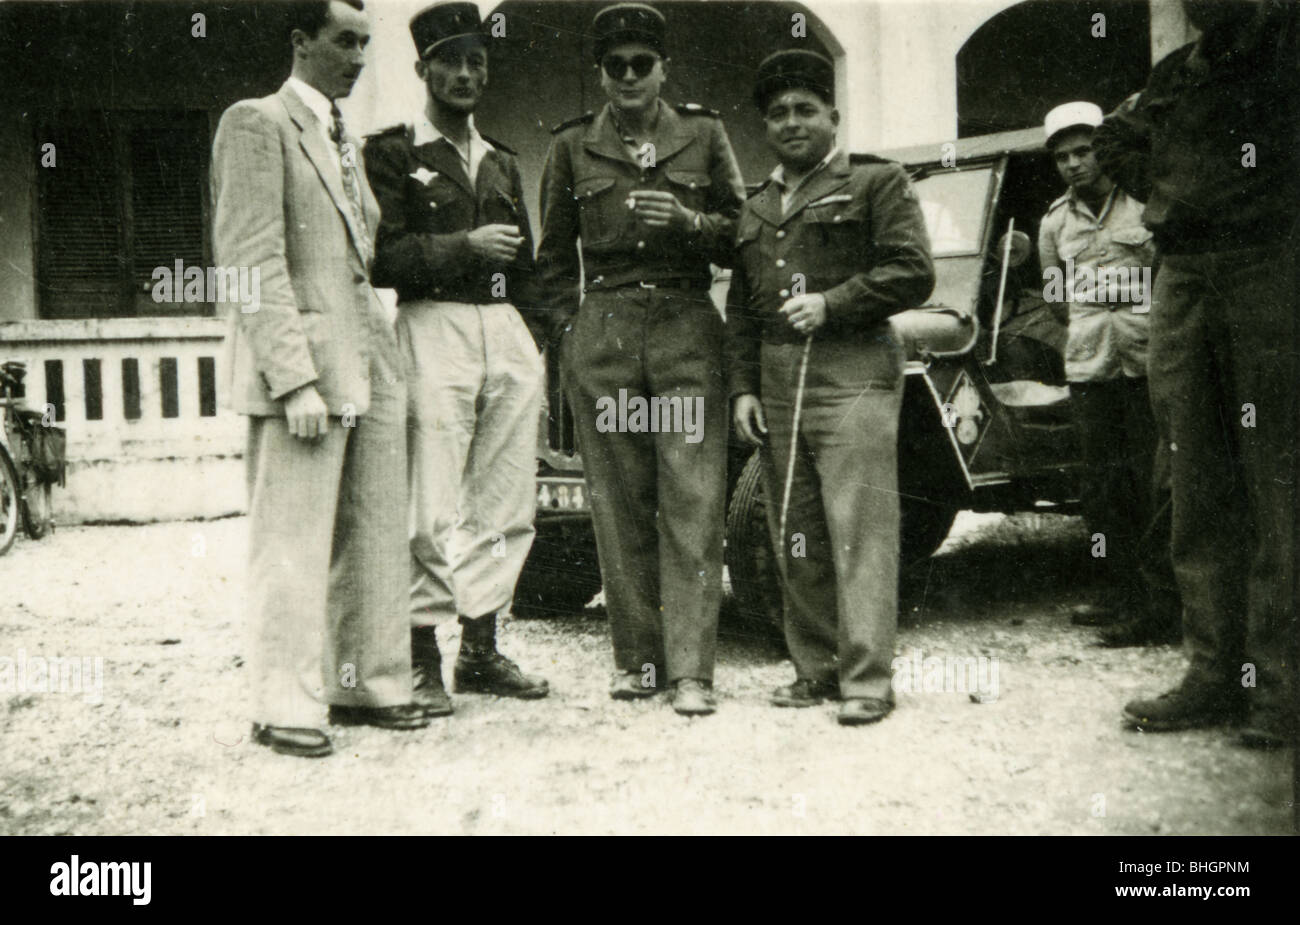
pixel 637 201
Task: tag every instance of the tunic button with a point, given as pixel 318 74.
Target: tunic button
pixel 780 262
pixel 640 245
pixel 838 218
pixel 781 233
pixel 784 293
pixel 692 184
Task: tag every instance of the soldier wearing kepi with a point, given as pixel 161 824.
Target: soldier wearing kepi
pixel 827 250
pixel 652 191
pixel 454 242
pixel 1097 257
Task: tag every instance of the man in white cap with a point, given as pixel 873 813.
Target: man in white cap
pixel 1097 257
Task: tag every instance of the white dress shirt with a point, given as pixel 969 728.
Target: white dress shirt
pixel 426 132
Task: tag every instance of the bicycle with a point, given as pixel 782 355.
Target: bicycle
pixel 31 461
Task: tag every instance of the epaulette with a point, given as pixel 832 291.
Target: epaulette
pixel 695 109
pixel 870 159
pixel 499 146
pixel 399 128
pixel 585 117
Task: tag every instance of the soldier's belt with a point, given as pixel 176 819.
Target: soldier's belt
pixel 599 284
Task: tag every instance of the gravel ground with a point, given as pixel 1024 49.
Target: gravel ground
pixel 166 750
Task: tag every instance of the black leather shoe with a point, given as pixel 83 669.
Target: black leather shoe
pixel 859 711
pixel 805 693
pixel 1188 706
pixel 286 740
pixel 402 717
pixel 692 697
pixel 626 685
pixel 1139 633
pixel 493 673
pixel 427 691
pixel 1093 615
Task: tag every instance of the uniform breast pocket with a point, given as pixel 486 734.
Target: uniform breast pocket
pixel 835 236
pixel 441 206
pixel 601 216
pixel 1135 242
pixel 691 187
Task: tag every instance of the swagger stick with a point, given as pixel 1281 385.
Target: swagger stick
pixel 794 435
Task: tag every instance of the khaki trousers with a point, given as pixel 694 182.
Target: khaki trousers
pixel 838 560
pixel 476 390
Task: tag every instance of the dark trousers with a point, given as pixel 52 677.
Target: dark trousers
pixel 838 560
pixel 1223 336
pixel 1126 496
pixel 657 499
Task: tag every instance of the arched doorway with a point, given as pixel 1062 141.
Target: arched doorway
pixel 1037 54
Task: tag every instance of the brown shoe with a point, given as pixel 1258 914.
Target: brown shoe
pixel 805 693
pixel 692 697
pixel 1190 705
pixel 626 685
pixel 493 673
pixel 859 711
pixel 286 740
pixel 403 717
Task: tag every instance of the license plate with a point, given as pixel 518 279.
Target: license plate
pixel 561 495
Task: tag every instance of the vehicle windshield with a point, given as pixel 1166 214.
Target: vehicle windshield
pixel 953 205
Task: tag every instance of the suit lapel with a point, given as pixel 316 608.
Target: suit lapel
pixel 314 146
pixel 766 204
pixel 603 140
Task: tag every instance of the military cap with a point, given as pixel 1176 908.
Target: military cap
pixel 794 68
pixel 629 22
pixel 441 22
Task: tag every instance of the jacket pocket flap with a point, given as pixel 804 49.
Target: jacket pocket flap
pixel 1136 236
pixel 692 179
pixel 592 186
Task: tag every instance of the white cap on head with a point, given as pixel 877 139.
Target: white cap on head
pixel 1071 115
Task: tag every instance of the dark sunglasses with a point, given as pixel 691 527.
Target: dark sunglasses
pixel 616 66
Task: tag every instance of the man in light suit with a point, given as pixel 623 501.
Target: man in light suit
pixel 317 370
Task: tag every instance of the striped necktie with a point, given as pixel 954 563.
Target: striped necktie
pixel 348 167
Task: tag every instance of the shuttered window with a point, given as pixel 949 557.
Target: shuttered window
pixel 125 195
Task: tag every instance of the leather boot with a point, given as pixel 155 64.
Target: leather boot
pixel 427 691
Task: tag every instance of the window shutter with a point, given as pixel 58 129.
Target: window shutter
pixel 80 243
pixel 167 153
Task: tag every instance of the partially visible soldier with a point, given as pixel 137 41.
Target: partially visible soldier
pixel 1095 229
pixel 454 242
pixel 830 250
pixel 652 192
pixel 1210 144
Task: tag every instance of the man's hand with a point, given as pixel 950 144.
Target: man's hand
pixel 307 413
pixel 496 243
pixel 749 419
pixel 805 313
pixel 661 210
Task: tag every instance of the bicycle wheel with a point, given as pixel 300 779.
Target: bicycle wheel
pixel 38 511
pixel 9 504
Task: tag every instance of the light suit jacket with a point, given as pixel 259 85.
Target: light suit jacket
pixel 280 207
